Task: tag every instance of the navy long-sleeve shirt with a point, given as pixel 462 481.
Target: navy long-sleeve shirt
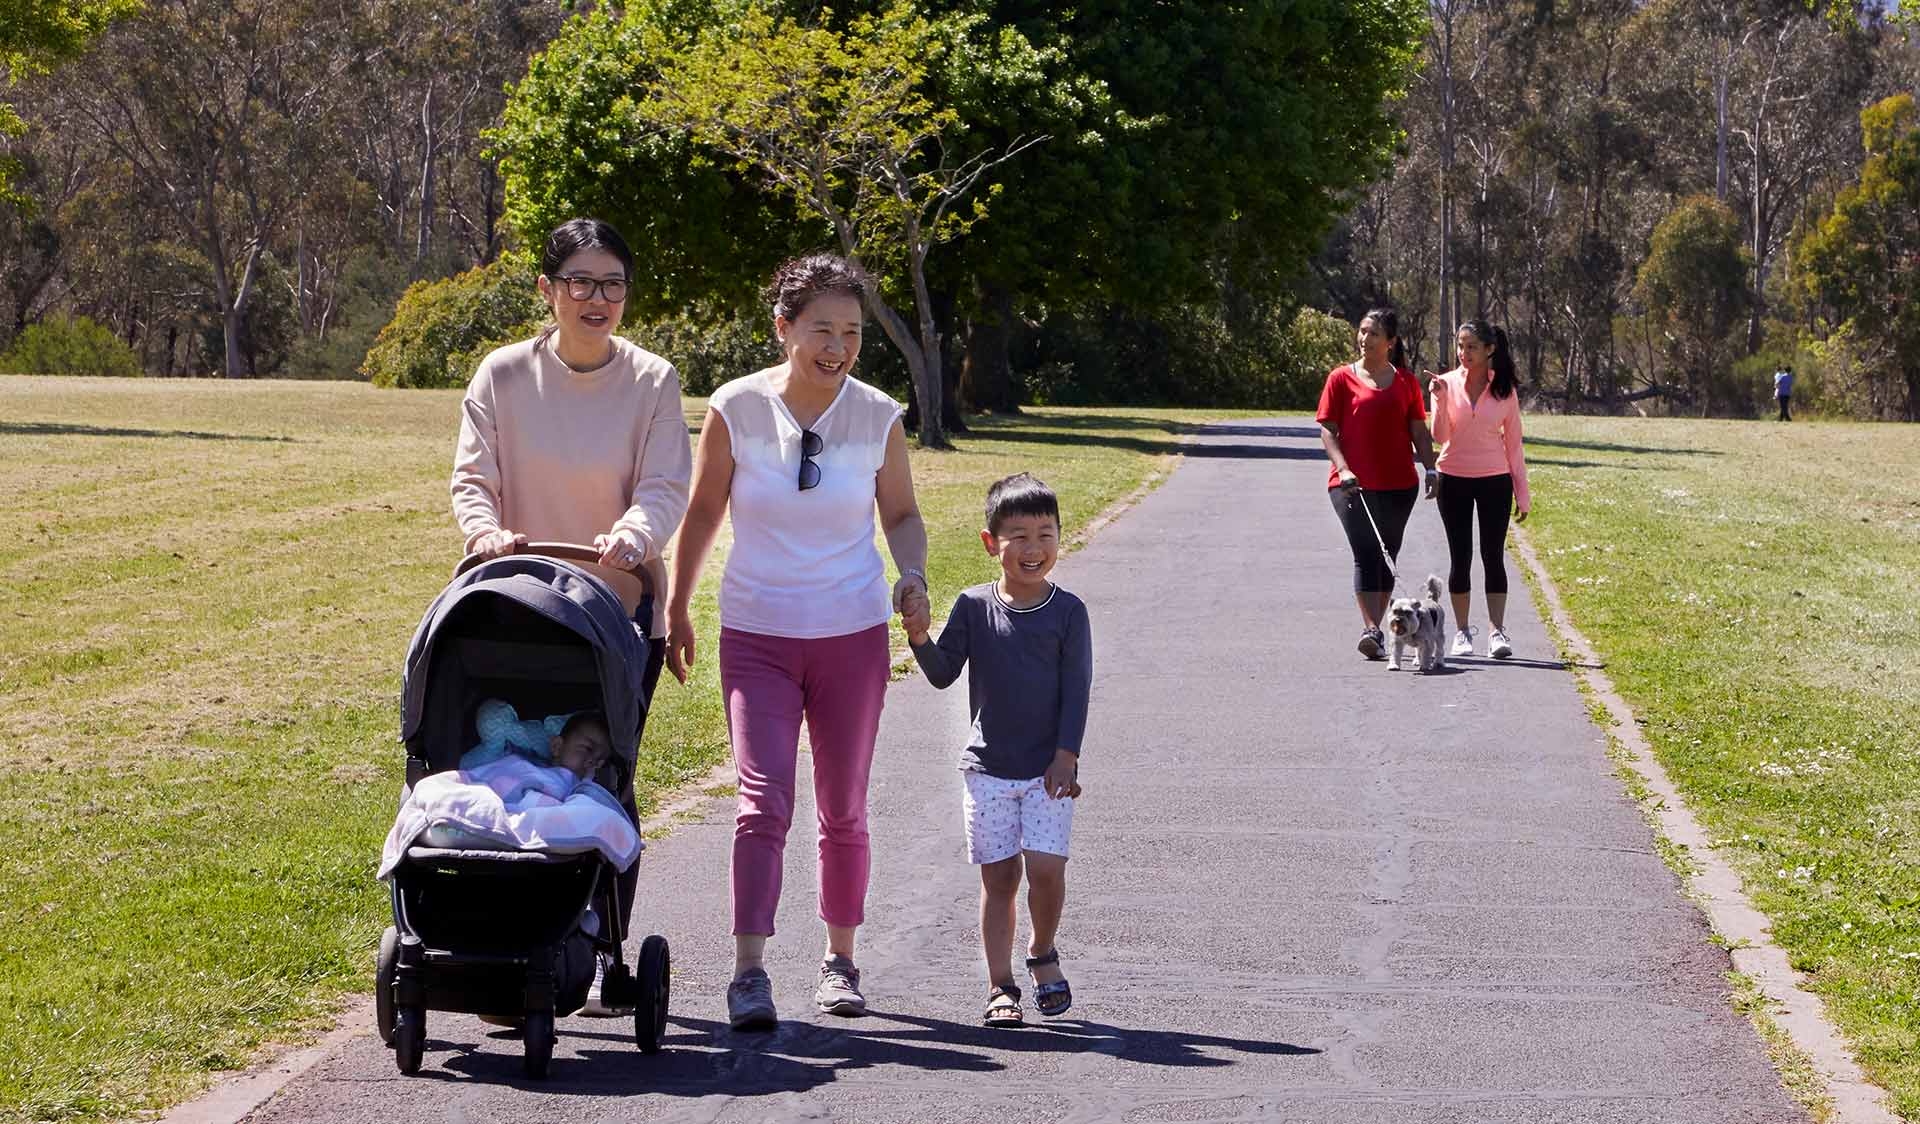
pixel 1029 682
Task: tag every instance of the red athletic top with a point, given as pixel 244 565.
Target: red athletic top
pixel 1373 427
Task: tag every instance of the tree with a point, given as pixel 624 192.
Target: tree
pixel 1693 284
pixel 839 119
pixel 35 36
pixel 217 107
pixel 1860 264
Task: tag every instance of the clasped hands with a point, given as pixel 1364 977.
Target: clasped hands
pixel 910 600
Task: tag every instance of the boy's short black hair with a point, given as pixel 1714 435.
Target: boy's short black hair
pixel 581 717
pixel 1020 494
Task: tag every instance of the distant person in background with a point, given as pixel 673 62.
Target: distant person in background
pixel 1373 419
pixel 1783 390
pixel 1476 423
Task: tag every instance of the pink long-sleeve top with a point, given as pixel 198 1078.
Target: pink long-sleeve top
pixel 1479 438
pixel 561 455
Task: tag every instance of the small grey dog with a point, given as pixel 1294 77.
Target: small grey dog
pixel 1421 624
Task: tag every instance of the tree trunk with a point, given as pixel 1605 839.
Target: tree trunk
pixel 1720 132
pixel 423 234
pixel 986 374
pixel 933 413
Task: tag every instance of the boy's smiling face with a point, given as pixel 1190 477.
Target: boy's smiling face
pixel 1027 547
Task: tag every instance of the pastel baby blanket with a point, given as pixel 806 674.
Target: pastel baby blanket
pixel 512 803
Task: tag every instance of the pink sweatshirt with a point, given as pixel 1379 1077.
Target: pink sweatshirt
pixel 1479 439
pixel 561 456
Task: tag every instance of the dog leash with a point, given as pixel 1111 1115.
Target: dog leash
pixel 1384 556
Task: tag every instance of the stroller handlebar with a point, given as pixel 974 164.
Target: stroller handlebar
pixel 568 551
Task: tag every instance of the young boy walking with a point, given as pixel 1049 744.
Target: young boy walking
pixel 1029 653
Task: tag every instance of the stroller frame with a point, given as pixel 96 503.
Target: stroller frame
pixel 499 932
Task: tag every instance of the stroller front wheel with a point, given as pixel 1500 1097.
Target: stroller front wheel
pixel 653 987
pixel 540 1038
pixel 383 975
pixel 409 1038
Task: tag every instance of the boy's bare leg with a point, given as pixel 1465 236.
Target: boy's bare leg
pixel 999 887
pixel 1046 897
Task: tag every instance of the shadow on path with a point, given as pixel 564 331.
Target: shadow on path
pixel 60 429
pixel 706 1059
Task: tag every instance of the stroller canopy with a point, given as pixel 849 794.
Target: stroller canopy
pixel 542 633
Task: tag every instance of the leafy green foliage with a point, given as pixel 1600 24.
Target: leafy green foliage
pixel 570 143
pixel 1266 361
pixel 1860 264
pixel 64 346
pixel 1694 285
pixel 441 329
pixel 35 36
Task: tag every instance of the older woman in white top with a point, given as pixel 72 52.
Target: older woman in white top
pixel 805 456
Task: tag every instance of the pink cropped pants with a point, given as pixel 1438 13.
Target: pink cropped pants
pixel 837 684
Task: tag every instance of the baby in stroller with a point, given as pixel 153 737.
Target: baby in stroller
pixel 503 864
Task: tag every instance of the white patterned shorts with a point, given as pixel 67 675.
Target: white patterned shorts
pixel 1007 817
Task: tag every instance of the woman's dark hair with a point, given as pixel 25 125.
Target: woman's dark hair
pixel 1388 321
pixel 1504 376
pixel 799 280
pixel 575 235
pixel 1020 494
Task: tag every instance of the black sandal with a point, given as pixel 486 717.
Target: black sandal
pixel 1003 1007
pixel 1051 998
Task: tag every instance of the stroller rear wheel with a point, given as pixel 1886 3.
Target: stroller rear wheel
pixel 653 986
pixel 409 1037
pixel 540 1038
pixel 383 973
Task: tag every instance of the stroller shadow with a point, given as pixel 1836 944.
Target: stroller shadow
pixel 703 1057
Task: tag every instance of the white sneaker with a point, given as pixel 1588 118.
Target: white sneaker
pixel 1498 646
pixel 1463 642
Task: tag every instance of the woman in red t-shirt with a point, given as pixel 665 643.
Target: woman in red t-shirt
pixel 1372 421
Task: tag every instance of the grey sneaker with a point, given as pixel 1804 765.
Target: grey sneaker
pixel 750 1001
pixel 1463 642
pixel 1373 643
pixel 839 990
pixel 597 1006
pixel 1498 646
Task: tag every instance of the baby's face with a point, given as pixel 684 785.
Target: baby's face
pixel 583 749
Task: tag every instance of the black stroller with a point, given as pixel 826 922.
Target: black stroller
pixel 501 932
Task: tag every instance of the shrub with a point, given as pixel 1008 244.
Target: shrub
pixel 1197 356
pixel 76 346
pixel 441 329
pixel 708 354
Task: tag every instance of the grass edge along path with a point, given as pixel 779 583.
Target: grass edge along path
pixel 1740 580
pixel 1766 987
pixel 163 918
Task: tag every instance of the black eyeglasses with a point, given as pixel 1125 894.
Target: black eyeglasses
pixel 583 288
pixel 810 446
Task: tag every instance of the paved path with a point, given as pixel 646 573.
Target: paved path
pixel 1305 889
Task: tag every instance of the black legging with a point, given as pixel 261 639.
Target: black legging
pixel 628 883
pixel 1457 497
pixel 1390 510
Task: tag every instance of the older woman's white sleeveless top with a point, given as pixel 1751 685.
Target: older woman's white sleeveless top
pixel 804 564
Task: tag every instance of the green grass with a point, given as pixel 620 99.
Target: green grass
pixel 206 593
pixel 1751 588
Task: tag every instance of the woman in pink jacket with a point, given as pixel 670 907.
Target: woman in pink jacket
pixel 1476 423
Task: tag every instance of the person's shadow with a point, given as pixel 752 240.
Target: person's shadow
pixel 701 1057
